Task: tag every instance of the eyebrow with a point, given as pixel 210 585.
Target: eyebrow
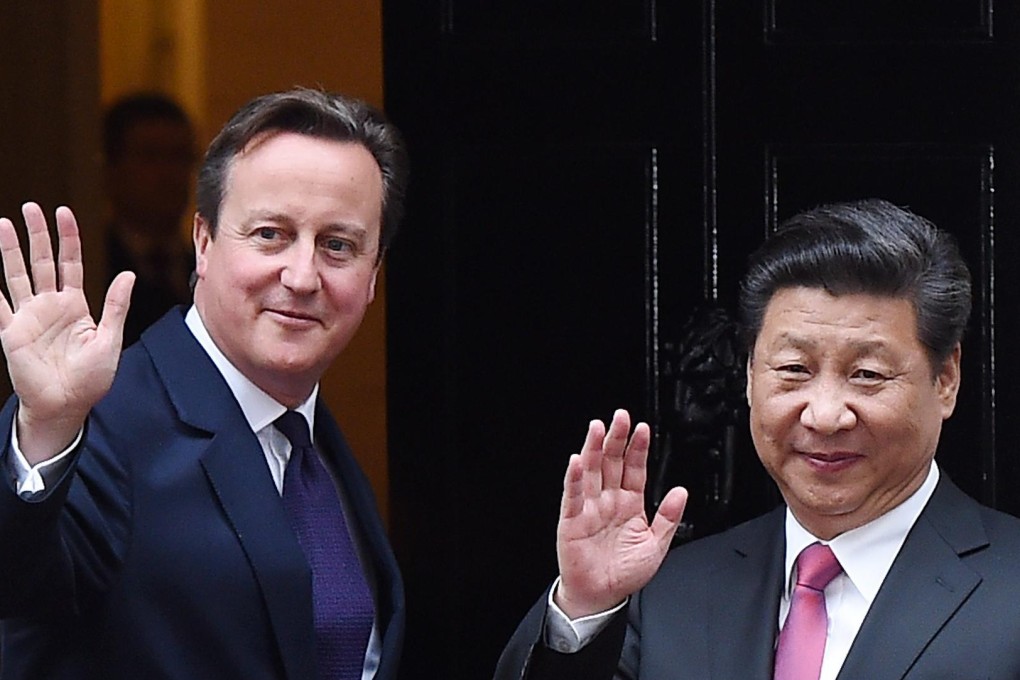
pixel 267 216
pixel 860 347
pixel 282 218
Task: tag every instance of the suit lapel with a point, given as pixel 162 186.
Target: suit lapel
pixel 254 511
pixel 236 469
pixel 746 609
pixel 927 584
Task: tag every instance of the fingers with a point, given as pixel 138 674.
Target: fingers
pixel 608 461
pixel 8 247
pixel 635 465
pixel 591 459
pixel 572 503
pixel 583 478
pixel 613 449
pixel 19 286
pixel 115 308
pixel 611 461
pixel 40 250
pixel 43 278
pixel 69 261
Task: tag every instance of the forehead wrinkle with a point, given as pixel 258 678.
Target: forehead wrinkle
pixel 261 214
pixel 795 341
pixel 857 347
pixel 347 228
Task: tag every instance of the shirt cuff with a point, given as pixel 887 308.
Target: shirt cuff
pixel 31 480
pixel 569 636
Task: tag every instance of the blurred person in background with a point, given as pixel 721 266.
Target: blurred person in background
pixel 149 161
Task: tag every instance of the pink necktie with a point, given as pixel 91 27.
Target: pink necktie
pixel 802 640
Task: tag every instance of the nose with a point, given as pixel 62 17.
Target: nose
pixel 300 273
pixel 826 410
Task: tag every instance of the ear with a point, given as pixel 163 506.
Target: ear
pixel 947 382
pixel 747 389
pixel 371 283
pixel 201 236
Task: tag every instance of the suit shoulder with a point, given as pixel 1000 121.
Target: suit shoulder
pixel 966 524
pixel 1001 527
pixel 757 536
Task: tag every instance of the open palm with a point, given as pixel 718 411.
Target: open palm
pixel 60 361
pixel 606 547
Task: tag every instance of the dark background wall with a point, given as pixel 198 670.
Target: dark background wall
pixel 588 176
pixel 49 112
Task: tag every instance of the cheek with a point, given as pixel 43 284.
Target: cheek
pixel 763 429
pixel 351 292
pixel 773 421
pixel 772 410
pixel 901 417
pixel 915 433
pixel 238 289
pixel 249 274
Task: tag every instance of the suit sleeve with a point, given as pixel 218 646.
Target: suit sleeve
pixel 526 656
pixel 60 549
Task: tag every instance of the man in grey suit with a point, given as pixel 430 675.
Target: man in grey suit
pixel 854 315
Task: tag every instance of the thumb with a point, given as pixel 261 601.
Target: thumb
pixel 667 519
pixel 115 306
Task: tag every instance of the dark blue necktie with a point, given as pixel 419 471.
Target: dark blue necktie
pixel 341 599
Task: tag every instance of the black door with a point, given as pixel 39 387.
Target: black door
pixel 588 180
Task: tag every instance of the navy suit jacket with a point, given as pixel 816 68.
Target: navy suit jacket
pixel 948 609
pixel 165 550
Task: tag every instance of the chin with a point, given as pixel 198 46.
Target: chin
pixel 290 365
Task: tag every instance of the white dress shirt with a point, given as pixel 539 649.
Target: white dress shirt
pixel 865 553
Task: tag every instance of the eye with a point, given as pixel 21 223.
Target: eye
pixel 338 248
pixel 792 373
pixel 867 375
pixel 267 233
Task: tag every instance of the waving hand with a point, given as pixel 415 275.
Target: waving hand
pixel 606 547
pixel 60 360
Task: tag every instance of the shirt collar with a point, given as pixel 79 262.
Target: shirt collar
pixel 260 409
pixel 867 552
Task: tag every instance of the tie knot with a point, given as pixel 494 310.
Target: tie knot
pixel 816 566
pixel 295 428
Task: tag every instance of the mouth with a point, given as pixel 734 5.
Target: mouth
pixel 293 317
pixel 830 461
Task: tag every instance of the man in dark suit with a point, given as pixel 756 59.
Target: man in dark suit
pixel 877 566
pixel 169 517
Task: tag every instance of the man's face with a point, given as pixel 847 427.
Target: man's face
pixel 149 184
pixel 845 412
pixel 285 283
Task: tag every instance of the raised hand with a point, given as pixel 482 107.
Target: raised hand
pixel 60 361
pixel 607 550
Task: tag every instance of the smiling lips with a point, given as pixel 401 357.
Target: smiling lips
pixel 293 317
pixel 830 461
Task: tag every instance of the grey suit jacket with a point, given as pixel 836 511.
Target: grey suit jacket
pixel 949 608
